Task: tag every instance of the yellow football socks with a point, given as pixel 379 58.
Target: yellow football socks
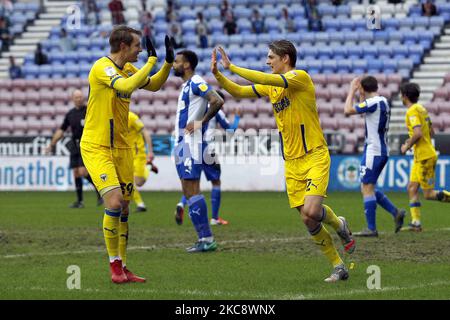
pixel 123 239
pixel 323 239
pixel 414 208
pixel 111 231
pixel 330 218
pixel 137 197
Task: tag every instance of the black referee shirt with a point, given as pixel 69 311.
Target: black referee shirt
pixel 75 120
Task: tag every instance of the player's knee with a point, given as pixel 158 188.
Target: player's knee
pixel 216 183
pixel 139 181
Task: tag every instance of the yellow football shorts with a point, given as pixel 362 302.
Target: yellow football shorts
pixel 307 176
pixel 423 172
pixel 140 167
pixel 109 168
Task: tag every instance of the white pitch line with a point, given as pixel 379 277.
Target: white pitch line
pixel 246 294
pixel 169 246
pixel 154 247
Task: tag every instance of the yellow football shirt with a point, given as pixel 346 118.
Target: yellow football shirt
pixel 106 121
pixel 295 110
pixel 135 137
pixel 416 116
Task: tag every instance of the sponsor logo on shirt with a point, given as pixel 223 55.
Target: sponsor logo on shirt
pixel 281 105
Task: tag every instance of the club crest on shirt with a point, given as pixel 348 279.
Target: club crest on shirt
pixel 110 71
pixel 203 87
pixel 104 176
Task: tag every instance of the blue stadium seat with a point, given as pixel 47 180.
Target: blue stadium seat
pixel 310 52
pixel 326 10
pixel 351 36
pixel 337 37
pixel 344 66
pixel 249 38
pixel 365 36
pixel 407 22
pixel 293 37
pixel 322 37
pixel 242 12
pixel 30 71
pixel 370 52
pixel 323 52
pixel 381 35
pixel 244 26
pixel 421 21
pixel 264 38
pixel 71 57
pixel 405 64
pixel 331 25
pixel 374 66
pixel 58 71
pixel 347 25
pixel 340 52
pixel 410 38
pixel 384 52
pixel 360 24
pixel 343 10
pixel 84 57
pixel 329 66
pixel 84 44
pixel 215 26
pixel 436 21
pixel 211 13
pixel 220 39
pixel 314 66
pixel 354 52
pixel 236 39
pixel 45 71
pixel 390 66
pixel 57 57
pixel 390 24
pixel 301 24
pixel 359 66
pixel 400 52
pixel 72 71
pixel 307 37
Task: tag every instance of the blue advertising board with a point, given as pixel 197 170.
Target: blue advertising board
pixel 344 173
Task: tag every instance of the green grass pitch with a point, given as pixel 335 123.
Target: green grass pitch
pixel 265 252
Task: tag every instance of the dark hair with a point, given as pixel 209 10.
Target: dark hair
pixel 282 47
pixel 411 91
pixel 369 84
pixel 220 93
pixel 121 34
pixel 190 56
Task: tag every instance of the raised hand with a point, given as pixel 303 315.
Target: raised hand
pixel 150 48
pixel 170 54
pixel 214 69
pixel 225 60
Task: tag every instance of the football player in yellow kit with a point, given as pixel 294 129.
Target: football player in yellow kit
pixel 105 147
pixel 422 173
pixel 304 149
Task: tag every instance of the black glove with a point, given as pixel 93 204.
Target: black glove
pixel 150 48
pixel 170 55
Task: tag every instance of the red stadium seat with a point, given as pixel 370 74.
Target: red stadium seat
pixel 334 79
pixel 328 123
pixel 46 83
pixel 346 123
pixel 326 109
pixel 433 107
pixel 5 84
pixel 441 93
pixel 6 111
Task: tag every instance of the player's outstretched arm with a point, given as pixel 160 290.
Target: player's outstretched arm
pixel 233 88
pixel 130 84
pixel 157 80
pixel 277 80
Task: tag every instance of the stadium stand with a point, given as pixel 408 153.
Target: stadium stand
pixel 343 49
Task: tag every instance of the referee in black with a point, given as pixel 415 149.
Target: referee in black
pixel 75 120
